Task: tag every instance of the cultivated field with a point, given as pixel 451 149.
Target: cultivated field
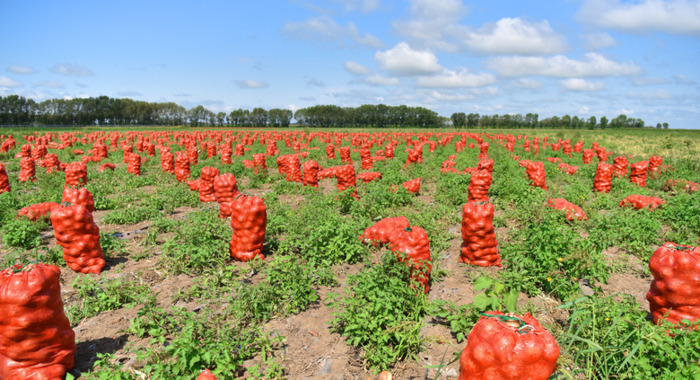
pixel 171 302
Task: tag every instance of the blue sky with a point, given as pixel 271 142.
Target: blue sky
pixel 584 58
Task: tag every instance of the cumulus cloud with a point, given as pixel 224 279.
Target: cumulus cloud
pixel 527 83
pixel 20 69
pixel 598 41
pixel 50 84
pixel 671 16
pixel 433 24
pixel 515 36
pixel 355 68
pixel 378 80
pixel 8 82
pixel 325 29
pixel 456 79
pixel 365 6
pixel 441 96
pixel 593 65
pixel 648 81
pixel 682 79
pixel 578 84
pixel 311 81
pixel 72 70
pixel 402 60
pixel 250 84
pixel 649 95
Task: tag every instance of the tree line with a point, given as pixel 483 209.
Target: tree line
pixel 531 120
pixel 103 110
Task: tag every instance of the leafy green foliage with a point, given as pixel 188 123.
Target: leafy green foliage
pixel 131 214
pixel 461 319
pixel 381 313
pixel 611 338
pixel 96 297
pixel 200 241
pixel 22 233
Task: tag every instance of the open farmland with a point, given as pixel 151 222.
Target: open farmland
pixel 323 304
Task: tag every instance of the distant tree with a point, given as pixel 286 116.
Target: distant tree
pixel 603 122
pixel 459 120
pixel 592 122
pixel 665 125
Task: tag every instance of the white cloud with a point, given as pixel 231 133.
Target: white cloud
pixel 515 36
pixel 72 70
pixel 649 95
pixel 20 69
pixel 403 60
pixel 598 41
pixel 682 79
pixel 325 29
pixel 365 6
pixel 451 97
pixel 578 84
pixel 50 84
pixel 648 81
pixel 379 80
pixel 355 68
pixel 433 23
pixel 584 110
pixel 527 83
pixel 491 91
pixel 456 79
pixel 8 82
pixel 311 81
pixel 250 84
pixel 670 16
pixel 593 65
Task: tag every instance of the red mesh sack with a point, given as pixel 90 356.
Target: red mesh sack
pixel 133 164
pixel 641 201
pixel 37 211
pixel 366 159
pixel 194 184
pixel 311 169
pixel 655 163
pixel 36 340
pixel 669 185
pixel 240 150
pixel 674 294
pixel 479 186
pixel 389 151
pixel 414 156
pixel 572 211
pixel 226 154
pixel 193 155
pixel 553 160
pixel 248 221
pixel 412 186
pixel 367 177
pixel 206 184
pixel 259 163
pixel 293 165
pixel 80 196
pixel 413 244
pixel 479 245
pixel 602 154
pixel 508 347
pixel 379 233
pixel 27 169
pixel 448 164
pixel 167 162
pixel 485 164
pixel 330 151
pixel 578 146
pixel 536 174
pixel 638 173
pixel 225 191
pixel 345 154
pixel 603 178
pixel 76 174
pixel 271 149
pixel 182 166
pixel 51 163
pixel 620 165
pixel 587 156
pixel 106 166
pixel 4 181
pixel 344 175
pixel 206 375
pixel 77 233
pixel 568 169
